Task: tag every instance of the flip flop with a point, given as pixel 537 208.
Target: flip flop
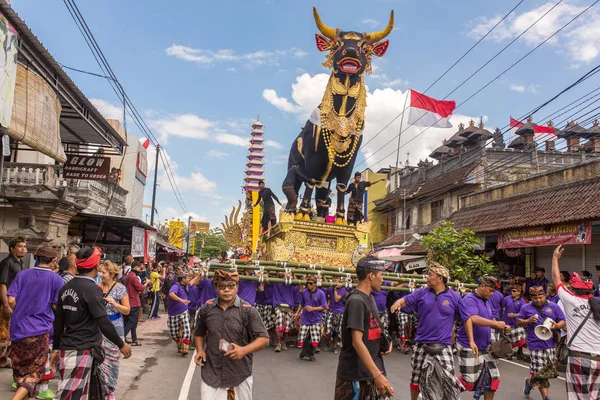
pixel 136 344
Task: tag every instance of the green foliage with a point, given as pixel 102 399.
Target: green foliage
pixel 456 250
pixel 214 244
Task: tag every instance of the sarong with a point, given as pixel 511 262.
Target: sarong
pixel 516 336
pixel 241 392
pixel 445 359
pixel 583 378
pixel 347 390
pixel 267 314
pixel 292 198
pixel 29 358
pixel 179 328
pixel 75 370
pixel 284 320
pixel 334 325
pixel 471 367
pixel 313 331
pixel 355 209
pixel 4 338
pixel 268 216
pixel 109 369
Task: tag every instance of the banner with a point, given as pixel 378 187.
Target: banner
pixel 93 168
pixel 150 253
pixel 138 242
pixel 176 233
pixel 8 77
pixel 141 166
pixel 200 226
pixel 553 235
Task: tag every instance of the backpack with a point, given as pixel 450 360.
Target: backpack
pixel 244 310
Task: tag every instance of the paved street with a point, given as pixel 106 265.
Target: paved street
pixel 157 372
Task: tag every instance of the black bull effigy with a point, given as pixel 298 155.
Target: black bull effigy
pixel 328 144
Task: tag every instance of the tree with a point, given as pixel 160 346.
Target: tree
pixel 214 244
pixel 456 250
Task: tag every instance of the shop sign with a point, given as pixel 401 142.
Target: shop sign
pixel 203 227
pixel 416 264
pixel 93 168
pixel 141 166
pixel 552 235
pixel 150 255
pixel 138 241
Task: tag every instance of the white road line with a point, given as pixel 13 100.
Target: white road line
pixel 518 365
pixel 187 382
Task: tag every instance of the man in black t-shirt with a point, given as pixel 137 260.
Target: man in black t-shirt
pixel 80 322
pixel 266 195
pixel 360 359
pixel 356 190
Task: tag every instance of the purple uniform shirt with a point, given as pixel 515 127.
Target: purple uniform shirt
pixel 175 307
pixel 314 299
pixel 207 291
pixel 381 298
pixel 554 299
pixel 247 291
pixel 494 302
pixel 474 305
pixel 550 310
pixel 437 314
pixel 193 296
pixel 297 299
pixel 337 306
pixel 511 306
pixel 35 291
pixel 284 294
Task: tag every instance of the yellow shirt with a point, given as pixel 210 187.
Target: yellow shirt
pixel 154 279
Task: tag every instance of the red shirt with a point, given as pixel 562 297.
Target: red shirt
pixel 134 288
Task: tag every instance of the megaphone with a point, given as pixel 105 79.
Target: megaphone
pixel 543 331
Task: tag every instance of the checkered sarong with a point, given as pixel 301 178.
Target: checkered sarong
pixel 315 334
pixel 445 359
pixel 333 325
pixel 471 367
pixel 385 319
pixel 267 314
pixel 583 378
pixel 495 335
pixel 75 370
pixel 541 359
pixel 406 323
pixel 179 328
pixel 284 321
pixel 516 334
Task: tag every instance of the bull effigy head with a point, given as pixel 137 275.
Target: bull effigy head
pixel 351 52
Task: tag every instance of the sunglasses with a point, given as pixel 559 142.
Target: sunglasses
pixel 515 290
pixel 224 287
pixel 310 283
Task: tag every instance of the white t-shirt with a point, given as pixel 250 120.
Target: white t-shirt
pixel 576 309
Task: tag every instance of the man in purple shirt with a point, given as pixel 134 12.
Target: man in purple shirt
pixel 32 296
pixel 333 325
pixel 474 338
pixel 283 301
pixel 247 289
pixel 312 306
pixel 494 302
pixel 543 352
pixel 178 322
pixel 437 308
pixel 380 297
pixel 511 305
pixel 264 306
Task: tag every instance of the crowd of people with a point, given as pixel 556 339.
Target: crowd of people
pixel 74 316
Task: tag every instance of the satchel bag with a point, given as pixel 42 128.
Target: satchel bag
pixel 562 351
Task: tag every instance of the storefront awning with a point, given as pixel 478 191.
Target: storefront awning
pixel 168 247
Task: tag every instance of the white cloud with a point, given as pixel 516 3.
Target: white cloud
pixel 273 144
pixel 382 106
pixel 108 110
pixel 212 57
pixel 192 126
pixel 371 23
pixel 531 88
pixel 517 88
pixel 171 213
pixel 217 155
pixel 581 40
pixel 383 81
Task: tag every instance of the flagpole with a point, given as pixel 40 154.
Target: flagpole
pixel 400 133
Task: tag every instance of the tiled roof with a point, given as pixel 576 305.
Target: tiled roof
pixel 415 249
pixel 394 240
pixel 571 202
pixel 443 183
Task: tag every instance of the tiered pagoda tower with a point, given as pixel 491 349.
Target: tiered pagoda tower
pixel 255 172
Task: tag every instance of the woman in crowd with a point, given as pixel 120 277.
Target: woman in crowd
pixel 117 305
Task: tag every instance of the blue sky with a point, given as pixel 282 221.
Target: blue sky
pixel 201 72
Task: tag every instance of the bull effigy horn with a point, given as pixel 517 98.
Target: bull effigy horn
pixel 377 36
pixel 324 29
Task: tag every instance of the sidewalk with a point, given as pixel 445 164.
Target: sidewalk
pixel 153 335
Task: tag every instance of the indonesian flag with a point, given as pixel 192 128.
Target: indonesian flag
pixel 546 131
pixel 202 243
pixel 514 126
pixel 429 112
pixel 146 144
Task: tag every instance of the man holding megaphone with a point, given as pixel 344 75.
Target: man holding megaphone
pixel 541 318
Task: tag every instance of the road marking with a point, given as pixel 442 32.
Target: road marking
pixel 518 365
pixel 187 382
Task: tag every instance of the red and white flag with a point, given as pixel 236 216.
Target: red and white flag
pixel 202 243
pixel 514 126
pixel 429 112
pixel 146 144
pixel 537 129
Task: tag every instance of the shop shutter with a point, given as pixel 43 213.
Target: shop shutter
pixel 592 255
pixel 570 261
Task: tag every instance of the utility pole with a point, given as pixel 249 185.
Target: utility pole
pixel 399 136
pixel 154 187
pixel 404 214
pixel 187 251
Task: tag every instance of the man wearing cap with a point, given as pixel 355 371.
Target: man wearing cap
pixel 583 365
pixel 511 305
pixel 542 351
pixel 232 331
pixel 81 320
pixel 178 322
pixel 32 296
pixel 66 265
pixel 474 338
pixel 361 373
pixel 313 303
pixel 437 308
pixel 356 190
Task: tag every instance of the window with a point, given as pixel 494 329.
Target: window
pixel 436 210
pixel 408 220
